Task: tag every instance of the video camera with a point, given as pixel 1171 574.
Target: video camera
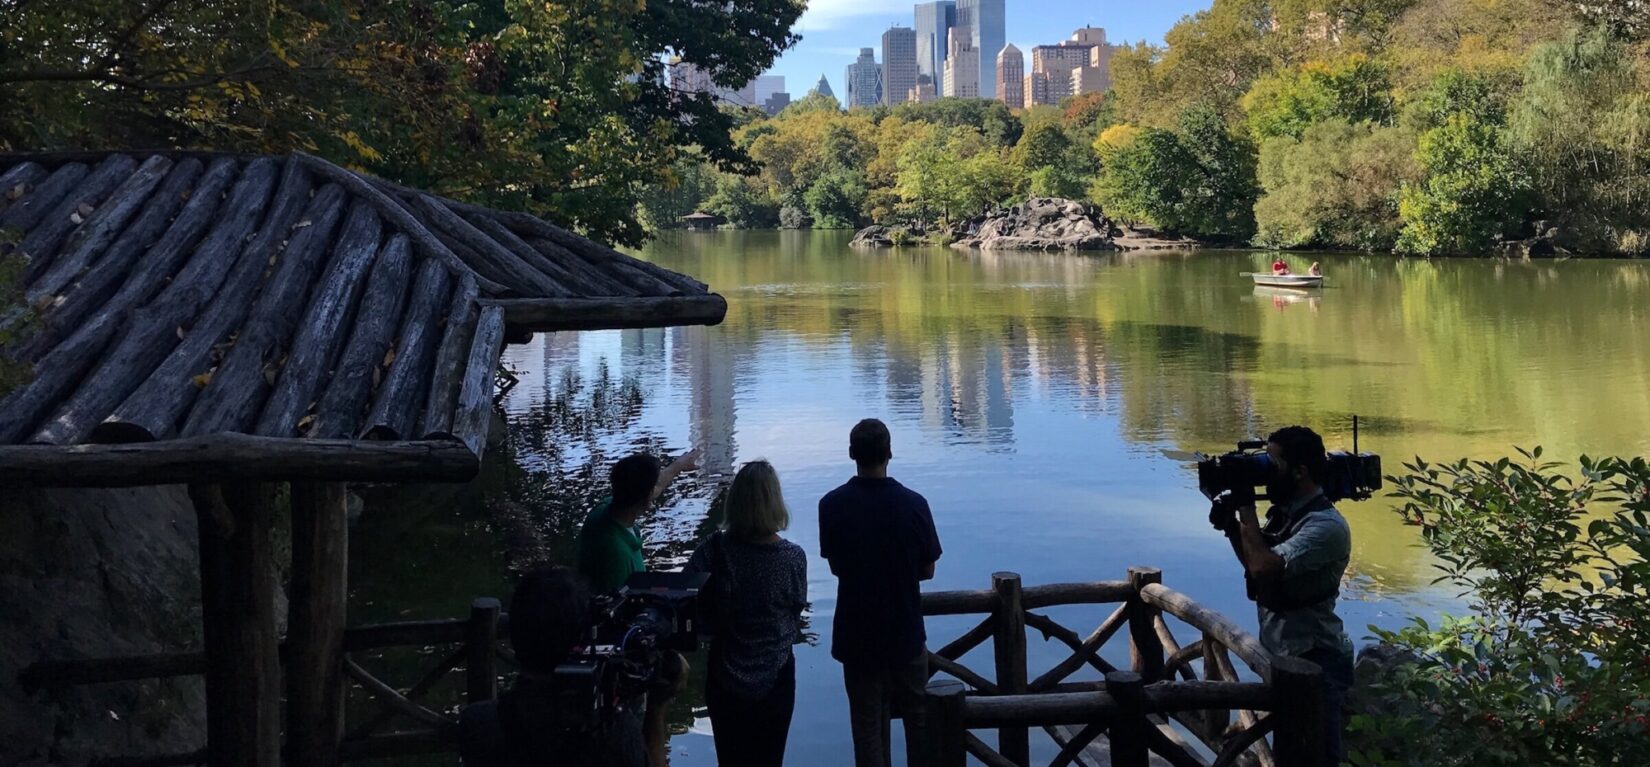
pixel 1229 480
pixel 634 634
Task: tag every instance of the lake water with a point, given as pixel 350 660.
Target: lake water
pixel 1032 399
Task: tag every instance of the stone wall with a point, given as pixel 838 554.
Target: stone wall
pixel 94 573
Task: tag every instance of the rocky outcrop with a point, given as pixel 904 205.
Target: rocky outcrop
pixel 1045 223
pixel 95 573
pixel 1545 244
pixel 874 236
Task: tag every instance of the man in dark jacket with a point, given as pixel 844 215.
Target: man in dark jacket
pixel 879 539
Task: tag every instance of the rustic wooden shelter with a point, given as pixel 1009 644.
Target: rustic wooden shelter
pixel 228 321
pixel 701 221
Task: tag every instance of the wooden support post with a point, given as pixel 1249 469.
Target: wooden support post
pixel 316 619
pixel 243 664
pixel 481 657
pixel 944 700
pixel 1298 739
pixel 1128 729
pixel 1145 648
pixel 1216 719
pixel 1010 645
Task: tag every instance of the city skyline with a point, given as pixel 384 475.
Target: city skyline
pixel 833 32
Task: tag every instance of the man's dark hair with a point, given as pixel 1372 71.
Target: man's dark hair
pixel 1301 446
pixel 869 443
pixel 547 617
pixel 634 478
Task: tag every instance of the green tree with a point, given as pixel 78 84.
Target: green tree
pixel 1473 191
pixel 742 202
pixel 1335 186
pixel 992 119
pixel 835 200
pixel 1145 180
pixel 556 107
pixel 1288 102
pixel 683 189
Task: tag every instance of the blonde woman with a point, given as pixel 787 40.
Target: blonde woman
pixel 759 585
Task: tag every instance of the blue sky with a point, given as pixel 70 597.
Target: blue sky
pixel 833 31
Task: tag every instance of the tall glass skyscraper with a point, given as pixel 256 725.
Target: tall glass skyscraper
pixel 985 20
pixel 934 20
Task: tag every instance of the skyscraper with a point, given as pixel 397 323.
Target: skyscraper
pixel 984 20
pixel 1055 69
pixel 864 78
pixel 823 88
pixel 899 64
pixel 934 22
pixel 767 85
pixel 1011 75
pixel 962 66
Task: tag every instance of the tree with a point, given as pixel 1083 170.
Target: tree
pixel 1288 102
pixel 1336 186
pixel 560 108
pixel 1042 145
pixel 991 119
pixel 835 200
pixel 1221 203
pixel 682 189
pixel 742 202
pixel 1474 190
pixel 1145 180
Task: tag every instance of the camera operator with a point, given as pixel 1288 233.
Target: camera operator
pixel 1293 565
pixel 542 720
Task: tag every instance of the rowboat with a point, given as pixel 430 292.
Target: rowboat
pixel 1297 281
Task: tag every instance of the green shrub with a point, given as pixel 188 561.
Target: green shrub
pixel 1552 666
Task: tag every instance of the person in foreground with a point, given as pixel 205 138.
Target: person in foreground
pixel 1294 566
pixel 879 539
pixel 756 615
pixel 610 551
pixel 542 721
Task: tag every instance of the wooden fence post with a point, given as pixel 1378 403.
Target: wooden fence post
pixel 1128 730
pixel 1298 739
pixel 243 664
pixel 316 617
pixel 1145 648
pixel 944 700
pixel 481 665
pixel 1009 643
pixel 1215 720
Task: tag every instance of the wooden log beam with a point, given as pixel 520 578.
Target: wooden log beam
pixel 1040 709
pixel 472 416
pixel 42 242
pixel 452 359
pixel 398 702
pixel 1075 743
pixel 230 456
pixel 480 661
pixel 18 180
pixel 568 282
pixel 402 391
pixel 398 216
pixel 313 351
pixel 963 674
pixel 542 315
pixel 603 284
pixel 243 674
pixel 1167 743
pixel 1299 710
pixel 239 387
pixel 1145 649
pixel 592 251
pixel 150 333
pixel 987 755
pixel 57 372
pixel 93 287
pixel 319 595
pixel 1246 716
pixel 100 228
pixel 1212 623
pixel 1009 652
pixel 155 409
pixel 30 209
pixel 343 406
pixel 418 690
pixel 944 701
pixel 520 276
pixel 1097 592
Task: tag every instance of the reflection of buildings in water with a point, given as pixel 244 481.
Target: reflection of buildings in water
pixel 642 356
pixel 710 357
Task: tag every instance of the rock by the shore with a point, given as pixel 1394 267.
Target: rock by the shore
pixel 1045 223
pixel 874 236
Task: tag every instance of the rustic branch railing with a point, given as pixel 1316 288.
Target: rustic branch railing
pixel 1175 702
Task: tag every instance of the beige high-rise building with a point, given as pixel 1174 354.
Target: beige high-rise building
pixel 962 65
pixel 924 91
pixel 1011 76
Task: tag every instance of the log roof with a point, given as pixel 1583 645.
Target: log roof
pixel 205 316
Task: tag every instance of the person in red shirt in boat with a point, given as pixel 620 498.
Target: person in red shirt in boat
pixel 1279 267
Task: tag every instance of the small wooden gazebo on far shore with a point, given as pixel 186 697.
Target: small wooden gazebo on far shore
pixel 227 321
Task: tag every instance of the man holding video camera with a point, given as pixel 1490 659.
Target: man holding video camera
pixel 1293 565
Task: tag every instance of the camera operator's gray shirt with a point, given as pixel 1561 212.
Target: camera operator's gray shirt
pixel 1314 559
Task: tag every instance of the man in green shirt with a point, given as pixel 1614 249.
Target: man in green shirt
pixel 610 548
